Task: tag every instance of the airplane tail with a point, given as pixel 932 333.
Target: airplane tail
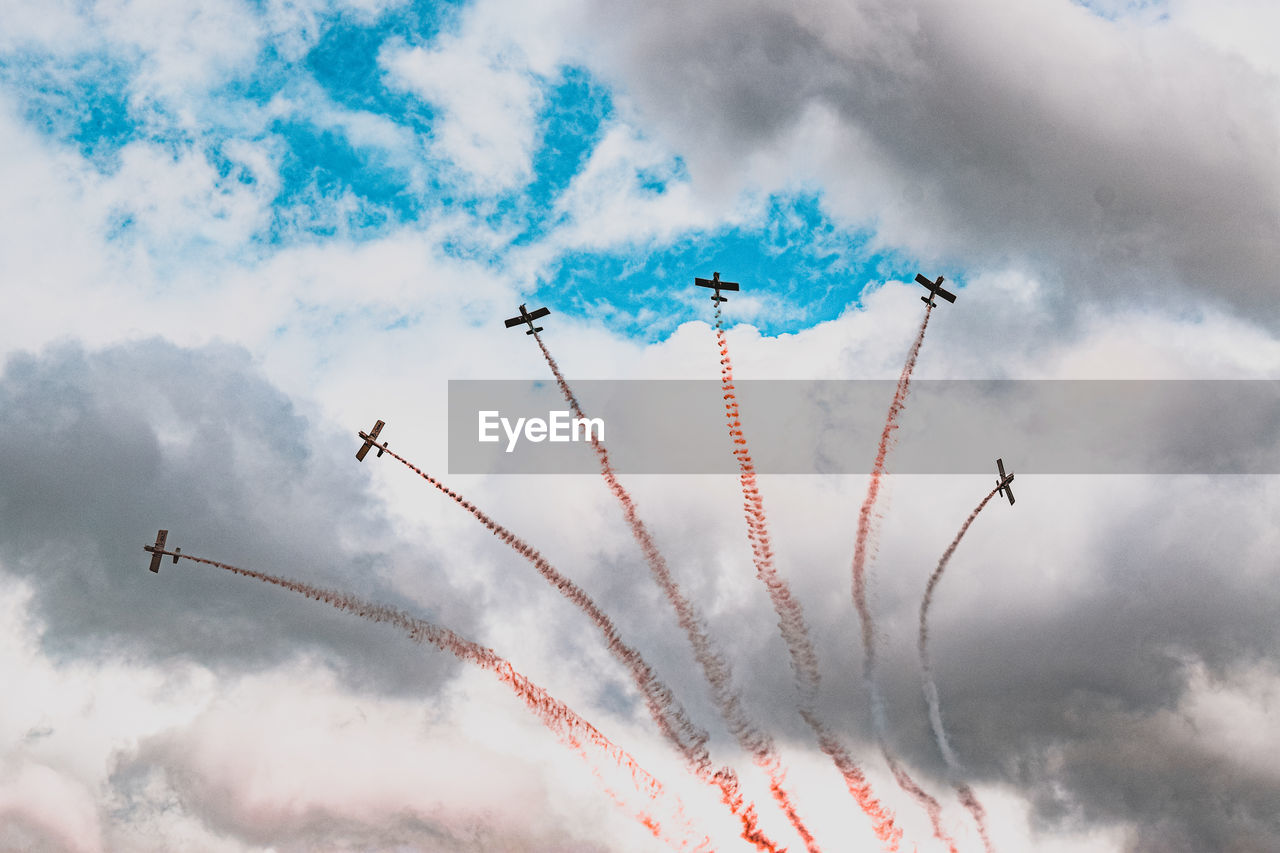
pixel 531 331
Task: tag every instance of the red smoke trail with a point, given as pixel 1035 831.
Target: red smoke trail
pixel 931 806
pixel 860 552
pixel 970 802
pixel 967 797
pixel 791 622
pixel 565 723
pixel 868 504
pixel 688 739
pixel 865 536
pixel 715 668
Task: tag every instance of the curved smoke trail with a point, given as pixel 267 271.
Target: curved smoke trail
pixel 715 668
pixel 791 622
pixel 966 795
pixel 563 721
pixel 970 801
pixel 667 713
pixel 866 518
pixel 929 803
pixel 865 514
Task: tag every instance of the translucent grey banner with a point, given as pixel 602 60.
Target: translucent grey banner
pixel 834 426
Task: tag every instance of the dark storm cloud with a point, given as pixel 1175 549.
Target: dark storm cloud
pixel 98 450
pixel 1117 160
pixel 1081 703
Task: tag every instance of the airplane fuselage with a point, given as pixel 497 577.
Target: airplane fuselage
pixel 1004 482
pixel 369 441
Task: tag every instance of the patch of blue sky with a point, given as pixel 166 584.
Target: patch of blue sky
pixel 328 183
pixel 317 161
pixel 574 110
pixel 320 167
pixel 345 65
pixel 341 74
pixel 82 102
pixel 572 121
pixel 271 75
pixel 802 267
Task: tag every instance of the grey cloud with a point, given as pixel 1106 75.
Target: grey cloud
pixel 1195 799
pixel 1073 696
pixel 18 832
pixel 1111 160
pixel 223 812
pixel 1078 704
pixel 98 450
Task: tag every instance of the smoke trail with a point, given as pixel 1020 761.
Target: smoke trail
pixel 791 622
pixel 931 806
pixel 865 536
pixel 714 667
pixel 688 739
pixel 865 514
pixel 967 797
pixel 565 723
pixel 970 802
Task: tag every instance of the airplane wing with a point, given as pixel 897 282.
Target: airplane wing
pixel 935 287
pixel 1008 490
pixel 368 440
pixel 515 321
pixel 156 549
pixel 718 285
pixel 541 312
pixel 1000 465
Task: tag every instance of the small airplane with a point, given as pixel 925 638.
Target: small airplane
pixel 369 441
pixel 935 289
pixel 1002 484
pixel 158 552
pixel 718 285
pixel 528 317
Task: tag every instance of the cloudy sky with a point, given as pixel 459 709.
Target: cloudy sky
pixel 235 232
